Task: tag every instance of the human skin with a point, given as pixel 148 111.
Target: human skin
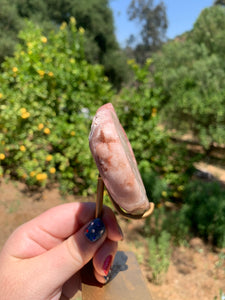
pixel 42 258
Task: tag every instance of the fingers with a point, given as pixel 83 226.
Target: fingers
pixel 114 231
pixel 60 242
pixel 103 260
pixel 56 266
pixel 54 226
pixel 66 259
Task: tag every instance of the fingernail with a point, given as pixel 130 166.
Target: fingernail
pixel 107 277
pixel 107 264
pixel 95 230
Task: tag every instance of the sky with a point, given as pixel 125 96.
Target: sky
pixel 181 15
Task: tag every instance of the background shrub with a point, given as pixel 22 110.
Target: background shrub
pixel 204 211
pixel 164 165
pixel 201 214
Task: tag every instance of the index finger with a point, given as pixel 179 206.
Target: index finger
pixel 55 225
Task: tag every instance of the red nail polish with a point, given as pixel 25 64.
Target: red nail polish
pixel 107 264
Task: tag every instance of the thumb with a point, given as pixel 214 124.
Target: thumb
pixel 57 265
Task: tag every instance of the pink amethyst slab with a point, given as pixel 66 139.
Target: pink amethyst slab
pixel 116 162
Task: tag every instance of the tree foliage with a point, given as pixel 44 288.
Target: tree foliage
pixel 10 24
pixel 191 70
pixel 48 93
pixel 94 16
pixel 209 30
pixel 163 165
pixel 153 22
pixel 219 2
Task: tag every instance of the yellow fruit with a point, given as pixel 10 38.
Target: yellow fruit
pixel 2 156
pixel 41 176
pixel 40 126
pixel 47 130
pixel 44 39
pixel 25 115
pixel 41 73
pixel 49 157
pixel 154 112
pixel 52 170
pixel 23 110
pixel 22 148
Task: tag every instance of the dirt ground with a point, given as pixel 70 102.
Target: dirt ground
pixel 195 272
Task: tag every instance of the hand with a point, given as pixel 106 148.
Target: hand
pixel 42 258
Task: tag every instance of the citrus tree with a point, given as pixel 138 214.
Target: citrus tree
pixel 48 95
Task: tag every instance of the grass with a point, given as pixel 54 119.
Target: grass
pixel 14 206
pixel 159 256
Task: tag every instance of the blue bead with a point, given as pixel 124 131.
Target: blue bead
pixel 95 230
